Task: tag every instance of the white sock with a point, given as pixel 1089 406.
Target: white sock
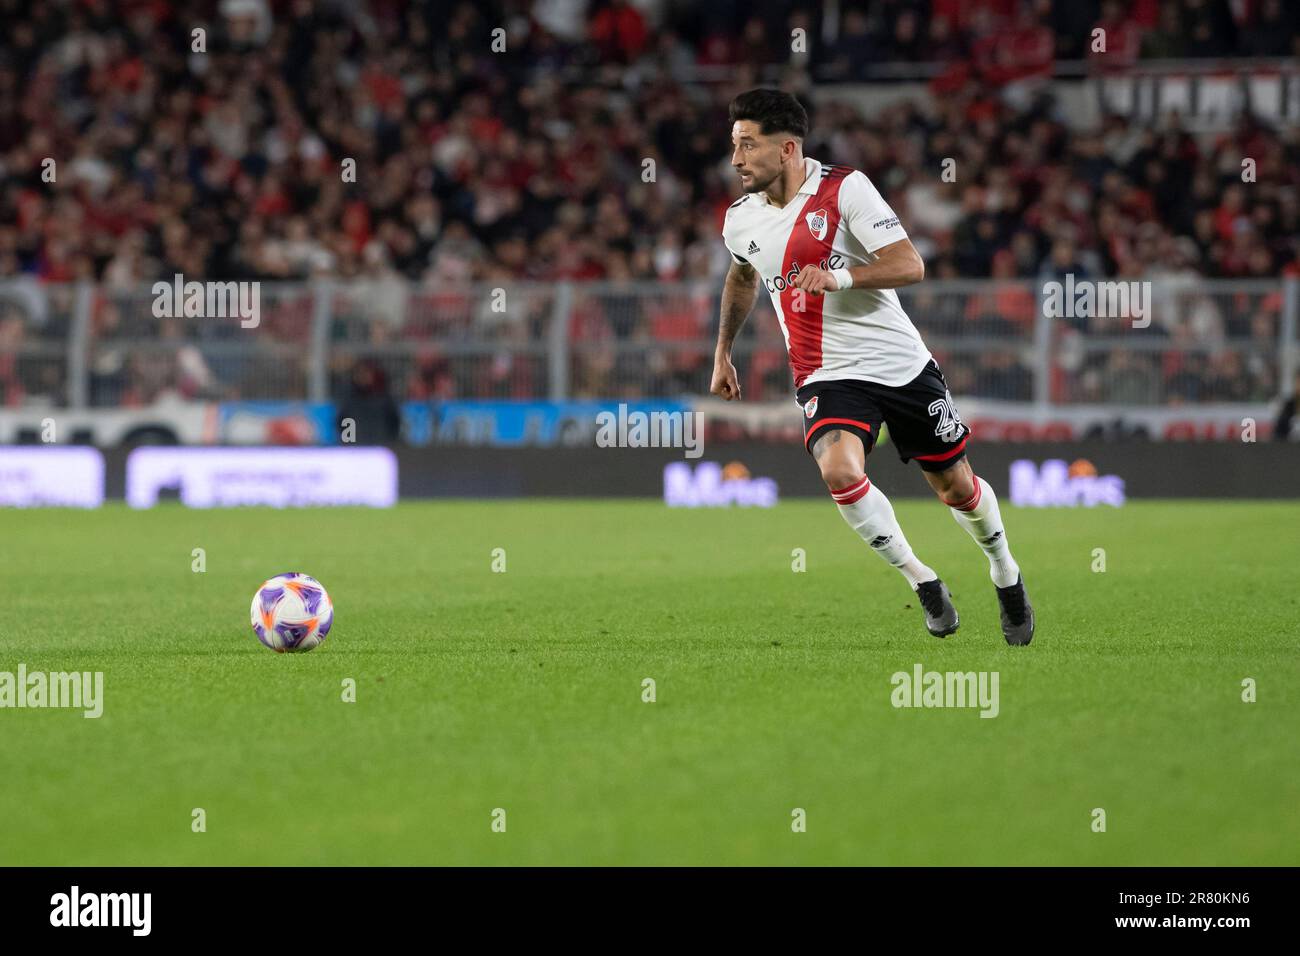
pixel 869 513
pixel 980 516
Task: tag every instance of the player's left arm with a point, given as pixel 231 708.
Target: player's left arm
pixel 894 260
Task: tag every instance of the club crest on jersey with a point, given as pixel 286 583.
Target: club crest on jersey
pixel 810 407
pixel 818 222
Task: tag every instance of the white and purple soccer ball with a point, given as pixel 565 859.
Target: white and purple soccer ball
pixel 292 613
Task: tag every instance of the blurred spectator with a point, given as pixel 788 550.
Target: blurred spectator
pixel 619 31
pixel 473 166
pixel 369 406
pixel 1286 416
pixel 999 375
pixel 1273 31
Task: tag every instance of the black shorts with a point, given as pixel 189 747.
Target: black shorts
pixel 923 423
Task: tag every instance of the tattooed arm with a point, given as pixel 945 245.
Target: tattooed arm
pixel 738 297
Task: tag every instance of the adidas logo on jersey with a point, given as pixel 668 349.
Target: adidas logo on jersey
pixel 753 247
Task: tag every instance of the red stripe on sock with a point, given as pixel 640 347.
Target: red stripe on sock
pixel 846 496
pixel 971 503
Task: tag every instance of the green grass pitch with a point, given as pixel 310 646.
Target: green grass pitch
pixel 523 690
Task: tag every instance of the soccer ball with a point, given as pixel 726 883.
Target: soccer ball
pixel 291 613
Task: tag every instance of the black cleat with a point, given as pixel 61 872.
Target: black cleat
pixel 1017 613
pixel 940 616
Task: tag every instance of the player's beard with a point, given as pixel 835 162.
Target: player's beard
pixel 757 186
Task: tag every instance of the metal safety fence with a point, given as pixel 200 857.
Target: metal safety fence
pixel 1175 342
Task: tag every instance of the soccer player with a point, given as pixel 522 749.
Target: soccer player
pixel 830 252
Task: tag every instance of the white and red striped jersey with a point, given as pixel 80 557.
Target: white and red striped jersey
pixel 837 220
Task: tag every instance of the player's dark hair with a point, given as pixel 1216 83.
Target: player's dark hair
pixel 772 110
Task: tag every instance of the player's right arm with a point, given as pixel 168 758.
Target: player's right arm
pixel 739 293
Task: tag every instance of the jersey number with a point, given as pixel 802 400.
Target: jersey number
pixel 949 426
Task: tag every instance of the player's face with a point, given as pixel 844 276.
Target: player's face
pixel 755 156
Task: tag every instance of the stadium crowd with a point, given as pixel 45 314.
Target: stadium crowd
pixel 529 163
